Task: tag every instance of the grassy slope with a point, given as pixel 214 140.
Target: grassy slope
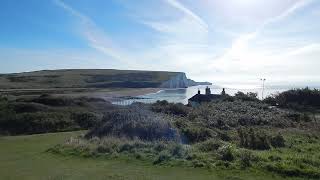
pixel 82 78
pixel 24 157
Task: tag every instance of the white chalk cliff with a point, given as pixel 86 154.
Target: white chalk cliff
pixel 181 81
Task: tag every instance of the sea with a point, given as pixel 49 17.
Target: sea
pixel 182 95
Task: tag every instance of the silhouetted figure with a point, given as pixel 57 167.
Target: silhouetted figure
pixel 208 91
pixel 223 93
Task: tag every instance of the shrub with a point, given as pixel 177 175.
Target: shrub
pixel 210 145
pixel 246 157
pixel 223 135
pixel 196 134
pixel 135 122
pixel 297 99
pixel 254 140
pixel 162 157
pixel 176 150
pixel 227 115
pixel 85 119
pixel 226 153
pixel 170 108
pixel 270 100
pixel 53 101
pixel 278 141
pixel 246 97
pixel 293 171
pixel 22 107
pixel 25 116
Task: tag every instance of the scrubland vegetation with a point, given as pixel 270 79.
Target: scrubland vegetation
pixel 235 134
pixel 47 113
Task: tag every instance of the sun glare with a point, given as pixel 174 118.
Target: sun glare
pixel 245 3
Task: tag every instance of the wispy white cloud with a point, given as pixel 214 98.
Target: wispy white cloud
pixel 96 38
pixel 184 44
pixel 176 4
pixel 291 10
pixel 182 37
pixel 245 59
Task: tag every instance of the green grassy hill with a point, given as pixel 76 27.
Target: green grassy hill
pixel 85 78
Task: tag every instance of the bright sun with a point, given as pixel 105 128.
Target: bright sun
pixel 245 2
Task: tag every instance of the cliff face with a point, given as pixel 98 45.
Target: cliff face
pixel 181 81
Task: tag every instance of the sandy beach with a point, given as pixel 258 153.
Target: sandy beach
pixel 117 94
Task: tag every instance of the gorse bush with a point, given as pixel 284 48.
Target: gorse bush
pixel 246 97
pixel 135 121
pixel 228 115
pixel 259 140
pixel 216 119
pixel 296 99
pixel 226 152
pixel 210 145
pixel 170 108
pixel 196 134
pixel 85 119
pixel 28 116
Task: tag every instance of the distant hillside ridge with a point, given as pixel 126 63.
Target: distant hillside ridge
pixel 96 78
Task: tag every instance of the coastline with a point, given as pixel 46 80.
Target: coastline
pixel 108 94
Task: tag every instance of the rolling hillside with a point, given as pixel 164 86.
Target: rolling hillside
pixel 94 78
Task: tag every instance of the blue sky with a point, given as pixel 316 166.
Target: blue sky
pixel 226 42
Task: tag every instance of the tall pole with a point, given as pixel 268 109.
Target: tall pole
pixel 263 81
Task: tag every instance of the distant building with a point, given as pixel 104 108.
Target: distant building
pixel 199 98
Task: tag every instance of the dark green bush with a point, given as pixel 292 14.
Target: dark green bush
pixel 170 108
pixel 196 134
pixel 23 107
pixel 85 119
pixel 278 141
pixel 246 97
pixel 210 145
pixel 228 115
pixel 53 101
pixel 293 171
pixel 40 122
pixel 300 99
pixel 25 116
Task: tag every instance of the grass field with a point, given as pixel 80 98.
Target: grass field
pixel 25 157
pixel 85 78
